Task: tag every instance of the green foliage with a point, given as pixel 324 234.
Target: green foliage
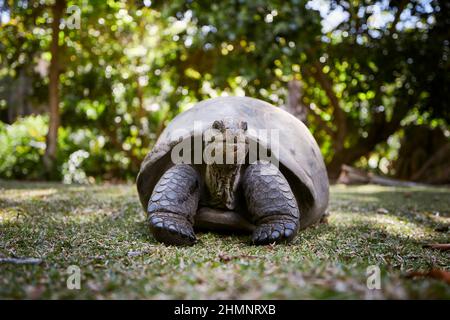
pixel 22 145
pixel 81 153
pixel 132 67
pixel 360 77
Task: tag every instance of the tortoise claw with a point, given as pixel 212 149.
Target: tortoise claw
pixel 274 232
pixel 172 231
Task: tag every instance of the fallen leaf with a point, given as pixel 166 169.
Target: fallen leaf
pixel 433 273
pixel 438 246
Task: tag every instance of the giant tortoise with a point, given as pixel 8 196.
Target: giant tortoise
pixel 236 164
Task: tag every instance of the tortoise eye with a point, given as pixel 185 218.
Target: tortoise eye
pixel 217 124
pixel 244 125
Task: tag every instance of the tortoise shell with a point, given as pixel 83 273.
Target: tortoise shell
pixel 299 156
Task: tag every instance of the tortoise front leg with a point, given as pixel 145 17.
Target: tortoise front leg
pixel 271 204
pixel 173 204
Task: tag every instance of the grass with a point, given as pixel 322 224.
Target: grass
pixel 102 229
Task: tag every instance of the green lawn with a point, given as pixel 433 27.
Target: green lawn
pixel 103 230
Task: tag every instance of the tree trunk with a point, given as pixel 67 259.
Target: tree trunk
pixel 350 175
pixel 378 132
pixel 53 92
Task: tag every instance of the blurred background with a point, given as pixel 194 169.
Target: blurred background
pixel 86 87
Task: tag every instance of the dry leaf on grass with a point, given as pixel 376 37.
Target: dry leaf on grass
pixel 438 246
pixel 433 273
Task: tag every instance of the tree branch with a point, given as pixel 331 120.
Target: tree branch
pixel 400 9
pixel 378 132
pixel 436 158
pixel 338 114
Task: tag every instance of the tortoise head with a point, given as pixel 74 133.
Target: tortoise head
pixel 226 142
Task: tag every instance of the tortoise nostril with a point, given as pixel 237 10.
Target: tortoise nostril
pixel 236 139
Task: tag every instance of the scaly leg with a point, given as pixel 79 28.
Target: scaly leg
pixel 271 204
pixel 173 204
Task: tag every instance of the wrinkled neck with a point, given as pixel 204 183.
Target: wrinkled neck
pixel 222 182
